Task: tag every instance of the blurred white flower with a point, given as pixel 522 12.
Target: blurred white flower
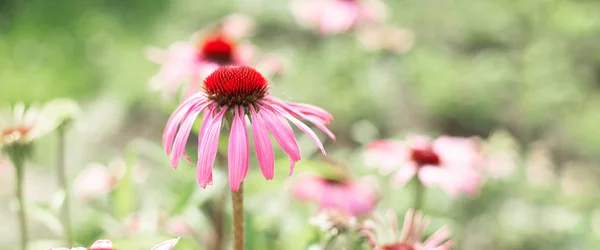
pixel 21 124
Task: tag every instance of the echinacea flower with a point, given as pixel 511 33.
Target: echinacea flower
pixel 453 163
pixel 189 62
pixel 231 93
pixel 382 234
pixel 352 197
pixel 107 245
pixel 336 16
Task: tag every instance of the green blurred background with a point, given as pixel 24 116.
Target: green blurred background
pixel 528 68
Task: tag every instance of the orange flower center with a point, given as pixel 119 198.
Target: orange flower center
pixel 18 131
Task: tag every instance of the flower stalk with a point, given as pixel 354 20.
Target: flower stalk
pixel 65 215
pixel 419 195
pixel 237 199
pixel 17 154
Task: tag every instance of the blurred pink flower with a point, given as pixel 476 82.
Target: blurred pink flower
pixel 453 163
pixel 107 245
pixel 336 16
pixel 189 62
pixel 230 93
pixel 383 234
pixel 97 180
pixel 352 197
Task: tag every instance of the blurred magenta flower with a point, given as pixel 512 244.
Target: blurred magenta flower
pixel 453 163
pixel 107 245
pixel 336 16
pixel 382 234
pixel 352 197
pixel 189 62
pixel 230 93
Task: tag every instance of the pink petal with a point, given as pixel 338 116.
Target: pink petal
pixel 208 144
pixel 183 134
pixel 262 144
pixel 244 54
pixel 283 134
pixel 438 237
pixel 101 245
pixel 176 118
pixel 339 17
pixel 404 174
pixel 167 245
pixel 309 188
pixel 301 126
pixel 238 150
pixel 314 111
pixel 237 26
pixel 293 111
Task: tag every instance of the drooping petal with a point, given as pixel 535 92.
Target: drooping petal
pixel 437 238
pixel 167 245
pixel 404 174
pixel 262 144
pixel 300 125
pixel 208 144
pixel 176 118
pixel 183 134
pixel 313 120
pixel 283 134
pixel 238 154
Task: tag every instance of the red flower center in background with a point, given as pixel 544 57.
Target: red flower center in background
pixel 398 246
pixel 424 156
pixel 235 85
pixel 20 131
pixel 218 49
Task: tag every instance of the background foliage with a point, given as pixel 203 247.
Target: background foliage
pixel 529 69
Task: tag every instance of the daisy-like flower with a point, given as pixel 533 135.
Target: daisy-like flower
pixel 351 197
pixel 107 245
pixel 453 163
pixel 336 16
pixel 189 62
pixel 383 234
pixel 22 125
pixel 231 93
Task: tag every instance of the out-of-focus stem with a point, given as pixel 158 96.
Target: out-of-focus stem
pixel 65 214
pixel 237 199
pixel 419 194
pixel 19 161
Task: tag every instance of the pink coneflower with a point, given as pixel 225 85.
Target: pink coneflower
pixel 107 245
pixel 452 163
pixel 335 16
pixel 230 93
pixel 352 197
pixel 383 235
pixel 190 62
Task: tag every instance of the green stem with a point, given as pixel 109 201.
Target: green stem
pixel 237 199
pixel 65 214
pixel 19 161
pixel 419 194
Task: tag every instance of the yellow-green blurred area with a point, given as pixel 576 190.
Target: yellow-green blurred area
pixel 530 68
